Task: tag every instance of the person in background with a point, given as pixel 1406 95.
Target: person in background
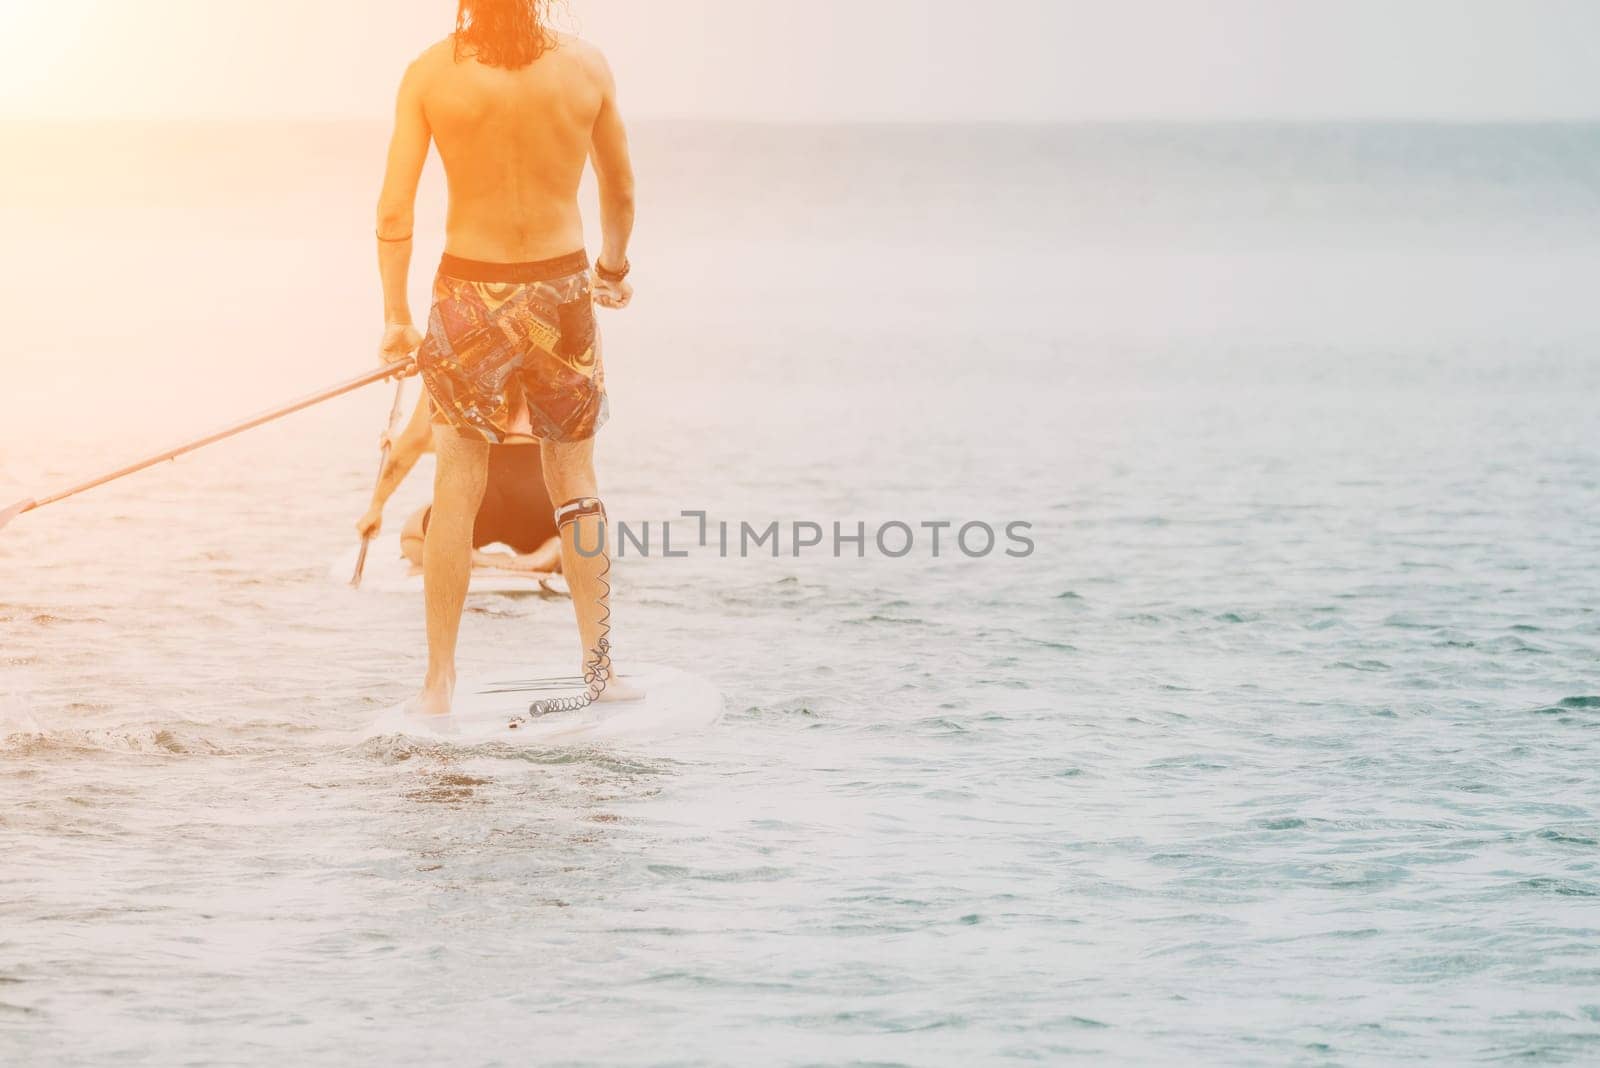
pixel 516 509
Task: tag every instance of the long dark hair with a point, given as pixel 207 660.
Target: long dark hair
pixel 503 33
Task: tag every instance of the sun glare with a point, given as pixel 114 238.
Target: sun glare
pixel 40 53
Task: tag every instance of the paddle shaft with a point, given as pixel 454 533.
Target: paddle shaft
pixel 383 462
pixel 377 375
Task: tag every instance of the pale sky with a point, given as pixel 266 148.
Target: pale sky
pixel 840 59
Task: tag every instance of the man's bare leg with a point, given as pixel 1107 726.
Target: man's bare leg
pixel 458 485
pixel 569 475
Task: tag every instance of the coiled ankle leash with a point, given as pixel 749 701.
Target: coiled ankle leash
pixel 596 669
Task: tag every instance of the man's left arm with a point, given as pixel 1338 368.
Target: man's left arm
pixel 408 152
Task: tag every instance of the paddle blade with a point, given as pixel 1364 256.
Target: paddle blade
pixel 361 564
pixel 15 510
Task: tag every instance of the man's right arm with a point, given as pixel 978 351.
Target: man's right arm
pixel 613 169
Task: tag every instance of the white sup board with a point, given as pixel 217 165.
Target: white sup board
pixel 494 709
pixel 388 571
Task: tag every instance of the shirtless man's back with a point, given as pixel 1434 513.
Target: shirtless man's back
pixel 512 352
pixel 514 144
pixel 514 182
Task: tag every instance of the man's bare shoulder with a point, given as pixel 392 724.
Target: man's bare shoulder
pixel 424 72
pixel 441 53
pixel 586 55
pixel 421 73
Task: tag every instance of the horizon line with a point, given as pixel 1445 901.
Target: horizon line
pixel 805 121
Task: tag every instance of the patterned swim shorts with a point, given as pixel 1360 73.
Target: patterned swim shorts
pixel 512 353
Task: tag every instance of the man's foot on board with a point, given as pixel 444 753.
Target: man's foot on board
pixel 618 689
pixel 434 700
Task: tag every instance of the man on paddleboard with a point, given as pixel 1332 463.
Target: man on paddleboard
pixel 515 511
pixel 512 354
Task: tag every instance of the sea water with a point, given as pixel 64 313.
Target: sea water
pixel 1279 747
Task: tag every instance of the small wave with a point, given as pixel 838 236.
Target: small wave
pixel 1562 887
pixel 1568 705
pixel 1510 643
pixel 1406 622
pixel 1238 617
pixel 1551 834
pixel 1363 665
pixel 399 748
pixel 23 733
pixel 49 619
pixel 159 741
pixel 803 707
pixel 878 617
pixel 1043 643
pixel 448 789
